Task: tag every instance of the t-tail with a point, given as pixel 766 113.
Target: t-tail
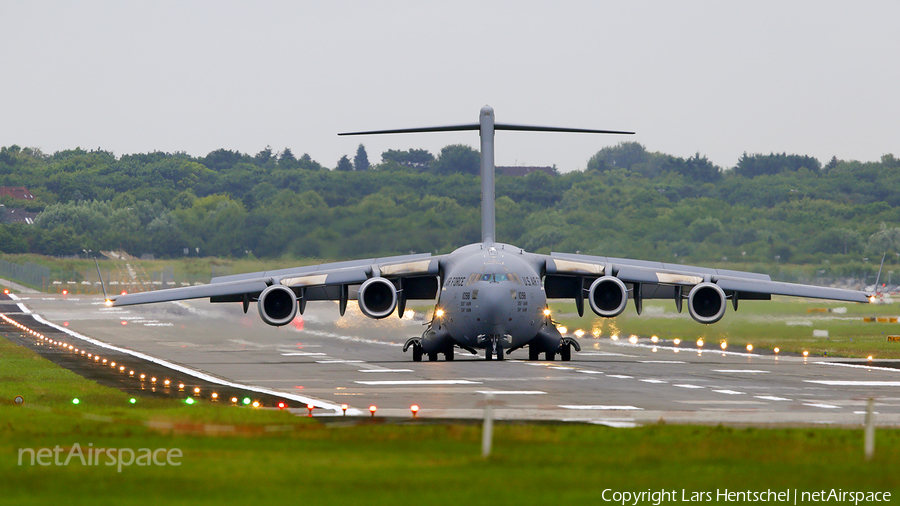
pixel 486 127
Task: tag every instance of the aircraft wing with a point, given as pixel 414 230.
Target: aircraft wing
pixel 657 280
pixel 331 281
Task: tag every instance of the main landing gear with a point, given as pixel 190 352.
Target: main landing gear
pixel 564 351
pixel 418 352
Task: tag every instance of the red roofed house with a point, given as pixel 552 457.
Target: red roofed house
pixel 16 192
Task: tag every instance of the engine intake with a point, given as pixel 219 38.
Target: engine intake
pixel 608 296
pixel 377 298
pixel 706 303
pixel 277 305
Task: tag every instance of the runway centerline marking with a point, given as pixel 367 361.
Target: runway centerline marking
pixel 654 381
pixel 619 376
pixel 601 408
pixel 340 361
pixel 511 392
pixel 588 371
pixel 772 398
pixel 820 405
pixel 729 392
pixel 418 382
pixel 738 371
pixel 386 370
pixel 662 361
pixel 688 386
pixel 303 354
pixel 862 383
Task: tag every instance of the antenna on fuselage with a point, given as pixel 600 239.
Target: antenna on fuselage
pixel 486 127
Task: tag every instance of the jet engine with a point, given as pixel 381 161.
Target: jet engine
pixel 608 296
pixel 706 303
pixel 377 297
pixel 277 305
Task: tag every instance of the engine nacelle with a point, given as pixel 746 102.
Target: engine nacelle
pixel 377 297
pixel 277 305
pixel 608 296
pixel 707 303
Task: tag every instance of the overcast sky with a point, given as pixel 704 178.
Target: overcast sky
pixel 818 78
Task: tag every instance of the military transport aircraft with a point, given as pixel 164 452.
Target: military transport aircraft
pixel 490 296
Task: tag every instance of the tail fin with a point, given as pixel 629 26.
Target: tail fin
pixel 486 127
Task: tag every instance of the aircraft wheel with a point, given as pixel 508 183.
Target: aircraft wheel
pixel 432 357
pixel 500 354
pixel 488 354
pixel 550 356
pixel 565 354
pixel 448 355
pixel 533 353
pixel 417 353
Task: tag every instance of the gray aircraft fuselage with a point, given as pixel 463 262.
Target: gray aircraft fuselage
pixel 491 292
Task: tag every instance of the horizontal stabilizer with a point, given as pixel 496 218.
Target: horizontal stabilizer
pixel 449 128
pixel 497 126
pixel 530 128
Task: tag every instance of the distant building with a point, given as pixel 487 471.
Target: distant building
pixel 16 216
pixel 524 171
pixel 16 192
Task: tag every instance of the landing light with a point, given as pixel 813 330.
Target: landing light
pixel 439 313
pixel 546 312
pixel 108 303
pixel 562 330
pixel 614 337
pixel 579 333
pixel 872 299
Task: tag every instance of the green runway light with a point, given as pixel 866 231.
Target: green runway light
pixel 132 400
pixel 75 401
pixel 246 401
pixel 189 400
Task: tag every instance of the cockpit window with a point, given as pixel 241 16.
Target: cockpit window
pixel 487 277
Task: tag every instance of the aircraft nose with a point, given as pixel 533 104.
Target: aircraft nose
pixel 496 304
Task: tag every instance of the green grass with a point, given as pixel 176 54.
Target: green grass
pixel 395 464
pixel 783 322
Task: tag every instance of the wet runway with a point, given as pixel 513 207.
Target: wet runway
pixel 360 362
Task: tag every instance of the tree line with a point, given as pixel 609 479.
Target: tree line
pixel 627 202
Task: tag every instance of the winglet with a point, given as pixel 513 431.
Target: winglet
pixel 106 298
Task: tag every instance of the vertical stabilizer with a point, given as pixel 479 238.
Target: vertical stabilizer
pixel 486 129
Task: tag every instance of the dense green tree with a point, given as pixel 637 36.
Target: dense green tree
pixel 344 164
pixel 361 160
pixel 457 158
